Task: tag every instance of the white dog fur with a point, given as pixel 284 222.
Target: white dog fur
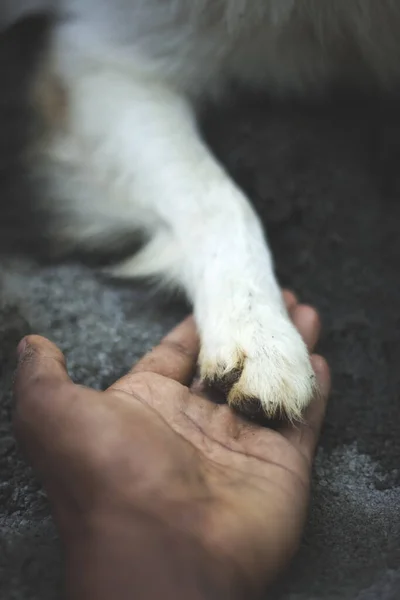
pixel 125 153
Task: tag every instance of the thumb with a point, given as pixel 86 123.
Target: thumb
pixel 40 373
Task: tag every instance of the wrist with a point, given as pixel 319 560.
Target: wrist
pixel 139 556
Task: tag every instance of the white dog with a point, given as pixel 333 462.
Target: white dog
pixel 120 93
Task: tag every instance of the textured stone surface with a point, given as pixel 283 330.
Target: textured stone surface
pixel 324 178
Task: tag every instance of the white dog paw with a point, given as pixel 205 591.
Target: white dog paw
pixel 263 363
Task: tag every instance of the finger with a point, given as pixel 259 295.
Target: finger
pixel 41 370
pixel 175 357
pixel 307 322
pixel 39 362
pixel 306 434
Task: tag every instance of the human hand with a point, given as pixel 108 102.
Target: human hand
pixel 154 447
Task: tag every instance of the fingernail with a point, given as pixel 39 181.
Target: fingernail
pixel 21 347
pixel 319 363
pixel 322 372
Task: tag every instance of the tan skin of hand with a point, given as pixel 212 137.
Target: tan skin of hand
pixel 154 444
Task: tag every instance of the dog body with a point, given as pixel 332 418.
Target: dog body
pixel 120 95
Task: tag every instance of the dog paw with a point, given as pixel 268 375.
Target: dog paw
pixel 263 364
